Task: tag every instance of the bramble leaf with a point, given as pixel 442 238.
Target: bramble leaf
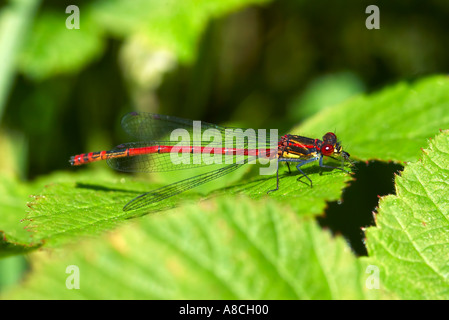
pixel 389 125
pixel 410 242
pixel 216 250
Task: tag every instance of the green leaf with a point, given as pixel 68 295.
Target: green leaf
pixel 14 238
pixel 218 250
pixel 390 125
pixel 26 226
pixel 324 92
pixel 15 18
pixel 172 25
pixel 410 242
pixel 295 189
pixel 89 205
pixel 67 210
pixel 52 49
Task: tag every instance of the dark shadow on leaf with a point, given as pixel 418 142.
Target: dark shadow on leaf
pixel 103 188
pixel 176 201
pixel 152 208
pixel 283 174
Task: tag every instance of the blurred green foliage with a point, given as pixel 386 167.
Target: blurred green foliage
pixel 249 63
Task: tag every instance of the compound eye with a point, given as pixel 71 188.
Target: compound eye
pixel 330 137
pixel 327 149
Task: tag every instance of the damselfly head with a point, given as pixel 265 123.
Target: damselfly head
pixel 330 146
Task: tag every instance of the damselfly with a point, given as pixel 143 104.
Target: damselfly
pixel 156 150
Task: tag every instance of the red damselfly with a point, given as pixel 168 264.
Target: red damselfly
pixel 157 150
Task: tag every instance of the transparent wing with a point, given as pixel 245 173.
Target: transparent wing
pixel 178 187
